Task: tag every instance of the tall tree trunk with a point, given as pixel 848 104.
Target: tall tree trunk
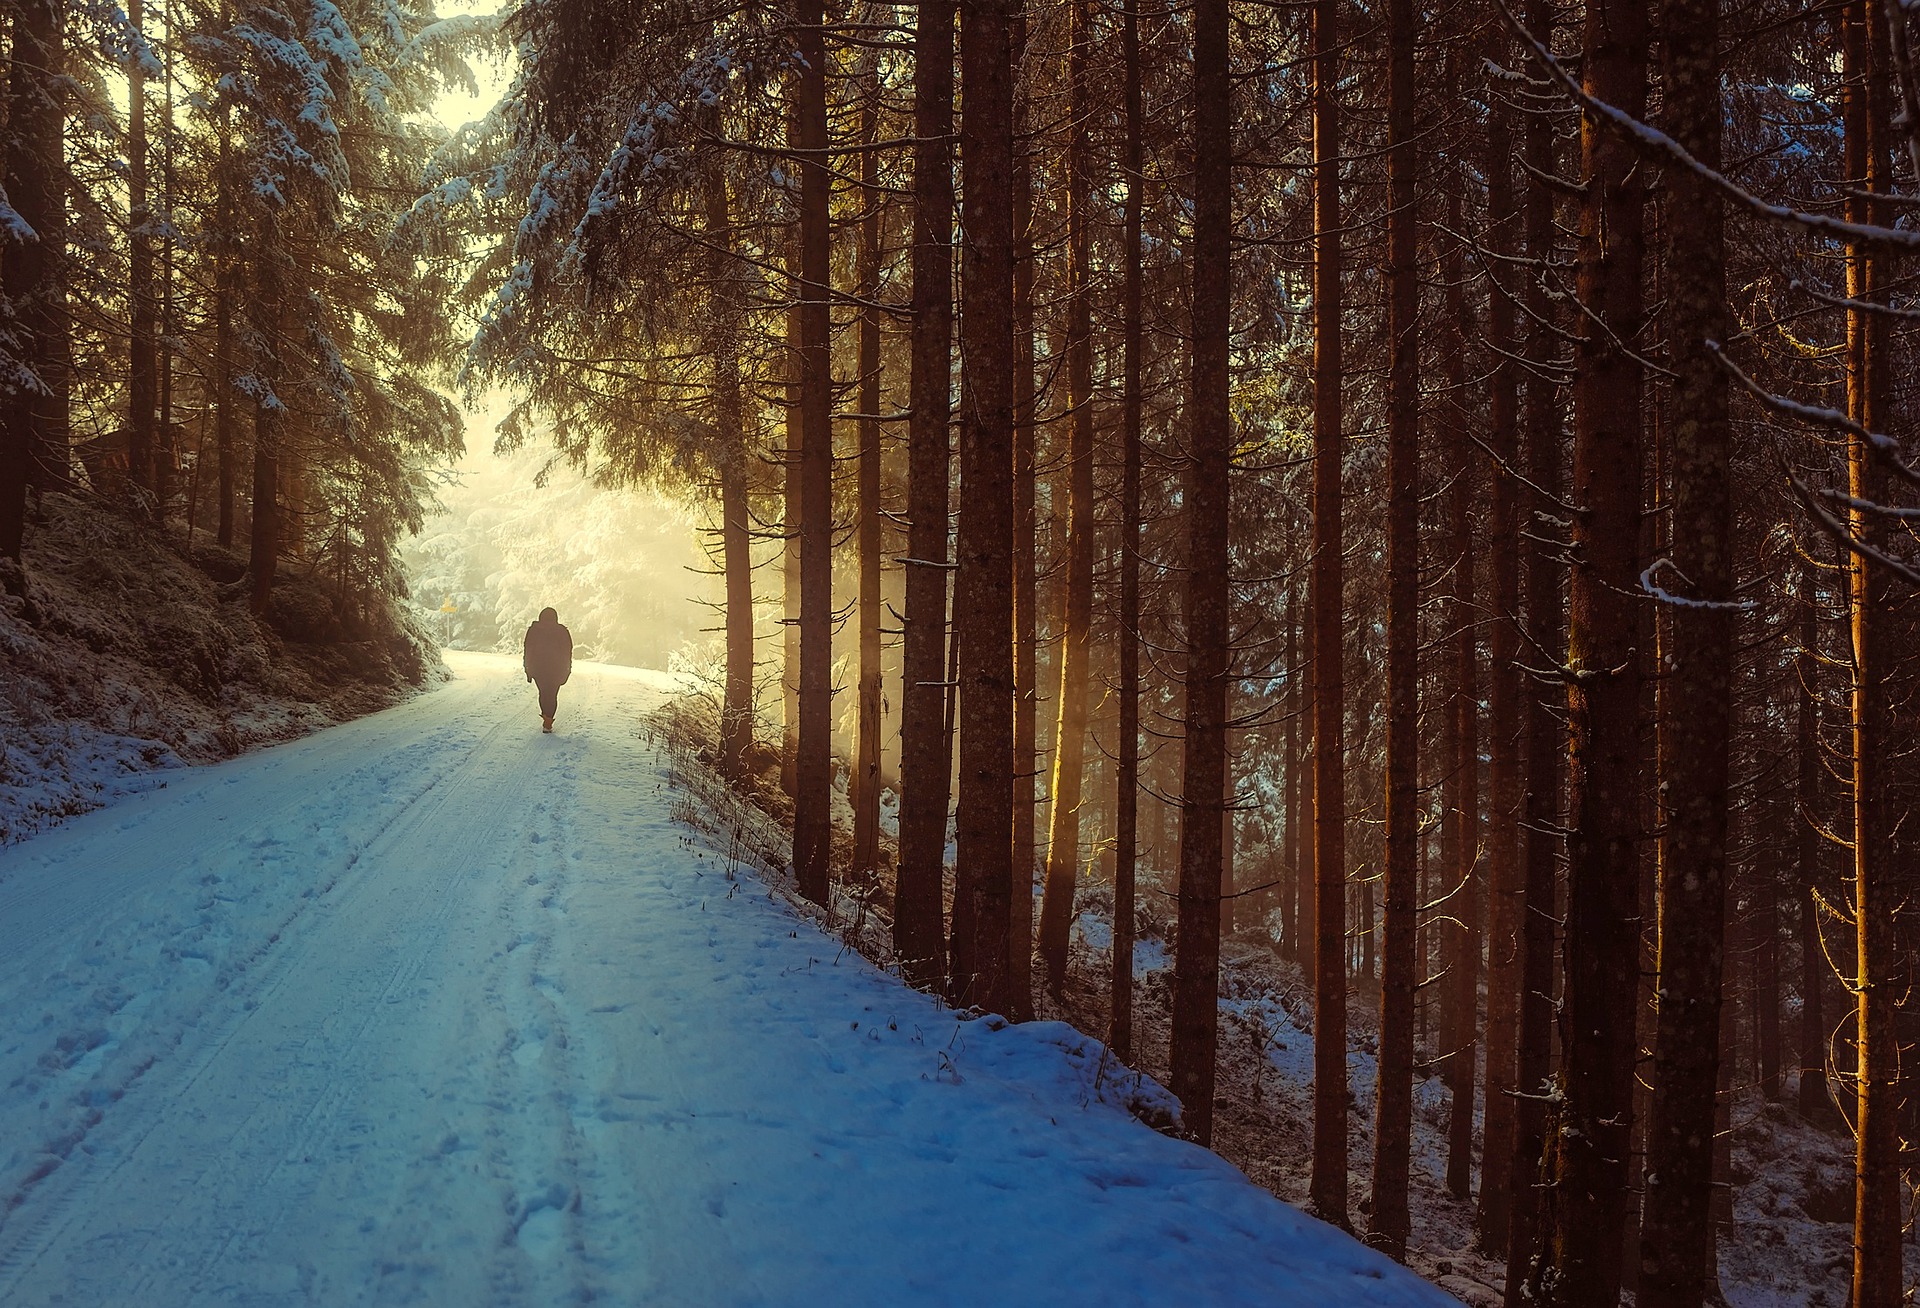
pixel 1766 961
pixel 1196 967
pixel 269 411
pixel 983 596
pixel 1593 1129
pixel 1127 798
pixel 1816 1103
pixel 1305 837
pixel 226 294
pixel 1463 960
pixel 141 356
pixel 1070 734
pixel 1290 847
pixel 1877 1272
pixel 1327 1186
pixel 864 790
pixel 1506 885
pixel 33 271
pixel 736 541
pixel 168 455
pixel 925 754
pixel 1026 612
pixel 1676 1228
pixel 790 519
pixel 813 763
pixel 1544 739
pixel 1393 1099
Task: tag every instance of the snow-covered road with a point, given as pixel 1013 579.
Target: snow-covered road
pixel 430 1008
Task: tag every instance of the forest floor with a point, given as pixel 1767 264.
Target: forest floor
pixel 431 1008
pixel 124 654
pixel 1789 1245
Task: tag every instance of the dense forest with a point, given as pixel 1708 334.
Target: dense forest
pixel 1424 487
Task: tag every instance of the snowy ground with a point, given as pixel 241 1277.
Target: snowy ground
pixel 429 1008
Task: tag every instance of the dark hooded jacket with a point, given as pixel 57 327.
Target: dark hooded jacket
pixel 549 650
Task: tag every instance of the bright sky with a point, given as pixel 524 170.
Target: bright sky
pixel 455 107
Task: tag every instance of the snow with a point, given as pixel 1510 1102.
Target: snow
pixel 431 1008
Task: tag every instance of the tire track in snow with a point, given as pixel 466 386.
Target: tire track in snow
pixel 75 1172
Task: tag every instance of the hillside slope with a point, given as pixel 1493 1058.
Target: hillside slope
pixel 128 654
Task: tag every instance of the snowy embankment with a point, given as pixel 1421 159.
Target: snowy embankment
pixel 430 1008
pixel 128 655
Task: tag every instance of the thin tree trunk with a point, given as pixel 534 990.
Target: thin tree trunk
pixel 226 293
pixel 864 790
pixel 1816 1102
pixel 1593 1126
pixel 1127 798
pixel 736 542
pixel 1393 1099
pixel 268 410
pixel 1327 1186
pixel 141 356
pixel 1463 964
pixel 1026 610
pixel 1544 739
pixel 1196 968
pixel 983 598
pixel 163 481
pixel 925 752
pixel 813 763
pixel 1290 846
pixel 1506 885
pixel 795 442
pixel 1070 734
pixel 1877 1272
pixel 1766 967
pixel 1676 1228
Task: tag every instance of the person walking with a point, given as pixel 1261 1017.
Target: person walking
pixel 548 660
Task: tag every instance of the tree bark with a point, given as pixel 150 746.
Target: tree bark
pixel 226 293
pixel 925 756
pixel 983 598
pixel 269 411
pixel 1196 968
pixel 1127 805
pixel 1544 735
pixel 790 520
pixel 1593 1124
pixel 1327 1187
pixel 864 790
pixel 1506 885
pixel 813 761
pixel 142 376
pixel 1070 734
pixel 1877 1271
pixel 736 541
pixel 1676 1228
pixel 1463 958
pixel 1816 1102
pixel 1026 608
pixel 1393 1100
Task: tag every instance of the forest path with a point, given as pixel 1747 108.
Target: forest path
pixel 431 1008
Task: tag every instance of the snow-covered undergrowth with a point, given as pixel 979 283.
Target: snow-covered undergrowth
pixel 432 1008
pixel 1788 1245
pixel 123 658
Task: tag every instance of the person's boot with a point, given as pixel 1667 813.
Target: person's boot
pixel 546 725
